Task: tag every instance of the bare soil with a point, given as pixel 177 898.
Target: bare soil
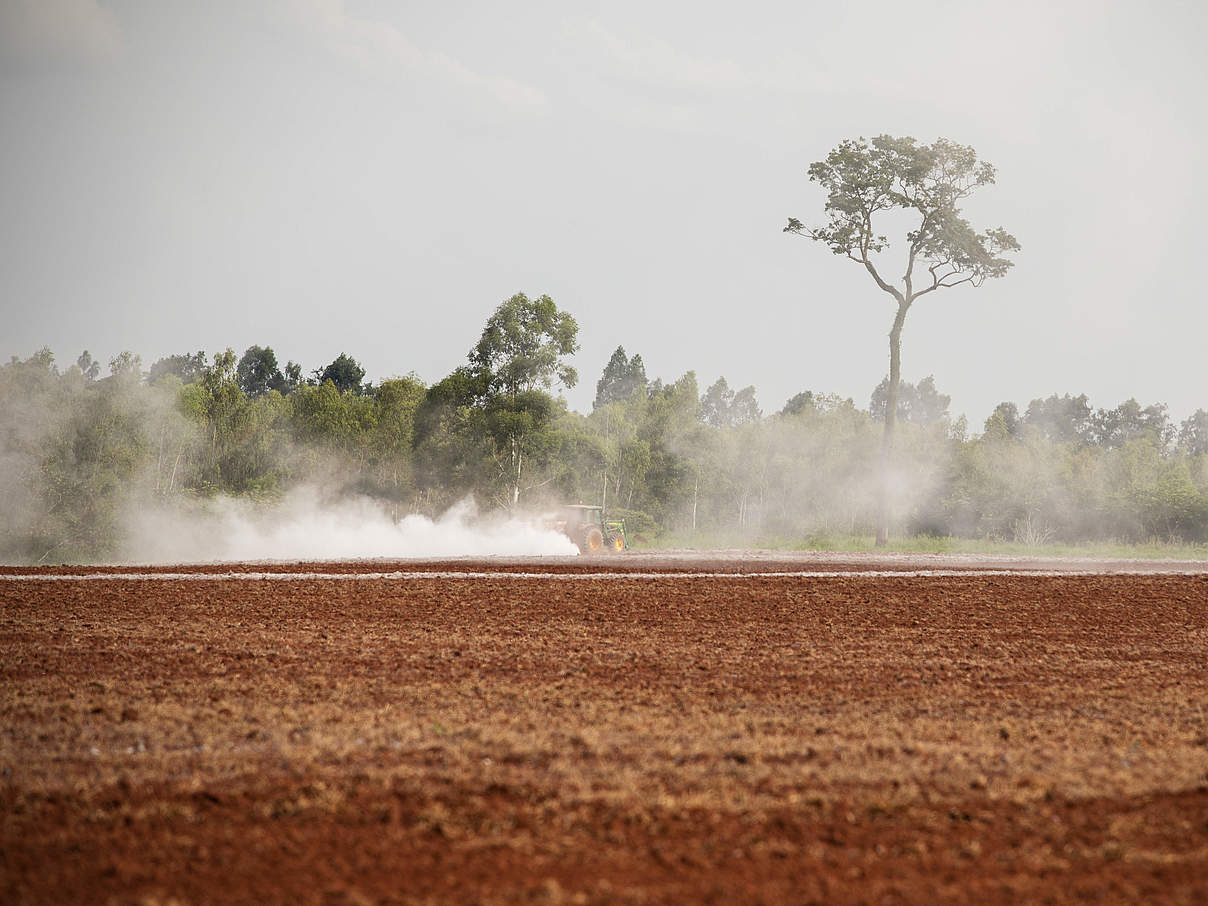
pixel 635 739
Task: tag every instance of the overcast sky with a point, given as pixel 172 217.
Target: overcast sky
pixel 375 178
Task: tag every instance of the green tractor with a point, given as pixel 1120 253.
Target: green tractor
pixel 587 527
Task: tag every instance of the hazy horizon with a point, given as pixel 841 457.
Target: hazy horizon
pixel 326 177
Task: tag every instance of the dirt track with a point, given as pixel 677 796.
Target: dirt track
pixel 732 739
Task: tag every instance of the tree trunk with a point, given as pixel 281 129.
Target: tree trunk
pixel 175 463
pixel 891 416
pixel 159 459
pixel 517 464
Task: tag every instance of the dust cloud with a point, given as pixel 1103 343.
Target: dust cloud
pixel 305 525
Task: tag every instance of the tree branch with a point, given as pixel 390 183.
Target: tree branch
pixel 914 249
pixel 504 469
pixel 892 290
pixel 941 282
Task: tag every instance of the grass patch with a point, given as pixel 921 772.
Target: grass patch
pixel 930 544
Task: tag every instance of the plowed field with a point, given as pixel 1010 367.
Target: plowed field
pixel 519 732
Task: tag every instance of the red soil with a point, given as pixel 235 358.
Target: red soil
pixel 632 740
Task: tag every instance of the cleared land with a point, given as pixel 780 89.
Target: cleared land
pixel 643 738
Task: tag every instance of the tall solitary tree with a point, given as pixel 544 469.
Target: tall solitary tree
pixel 868 180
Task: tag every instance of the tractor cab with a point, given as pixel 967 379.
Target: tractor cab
pixel 586 526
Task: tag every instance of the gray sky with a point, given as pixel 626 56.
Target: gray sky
pixel 373 177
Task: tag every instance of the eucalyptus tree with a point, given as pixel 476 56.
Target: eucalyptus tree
pixel 722 407
pixel 622 378
pixel 344 371
pixel 88 366
pixel 216 404
pixel 1193 434
pixel 868 181
pixel 258 372
pixel 1063 419
pixel 519 357
pixel 188 367
pixel 923 405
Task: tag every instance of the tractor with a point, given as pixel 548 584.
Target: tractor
pixel 587 527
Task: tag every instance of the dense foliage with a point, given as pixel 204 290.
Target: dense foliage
pixel 80 453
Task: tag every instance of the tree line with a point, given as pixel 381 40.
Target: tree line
pixel 82 452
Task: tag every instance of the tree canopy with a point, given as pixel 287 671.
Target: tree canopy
pixel 90 368
pixel 921 404
pixel 622 378
pixel 258 371
pixel 1193 434
pixel 524 346
pixel 188 367
pixel 722 407
pixel 345 372
pixel 864 179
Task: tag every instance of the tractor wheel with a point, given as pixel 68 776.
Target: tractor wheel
pixel 592 541
pixel 617 543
